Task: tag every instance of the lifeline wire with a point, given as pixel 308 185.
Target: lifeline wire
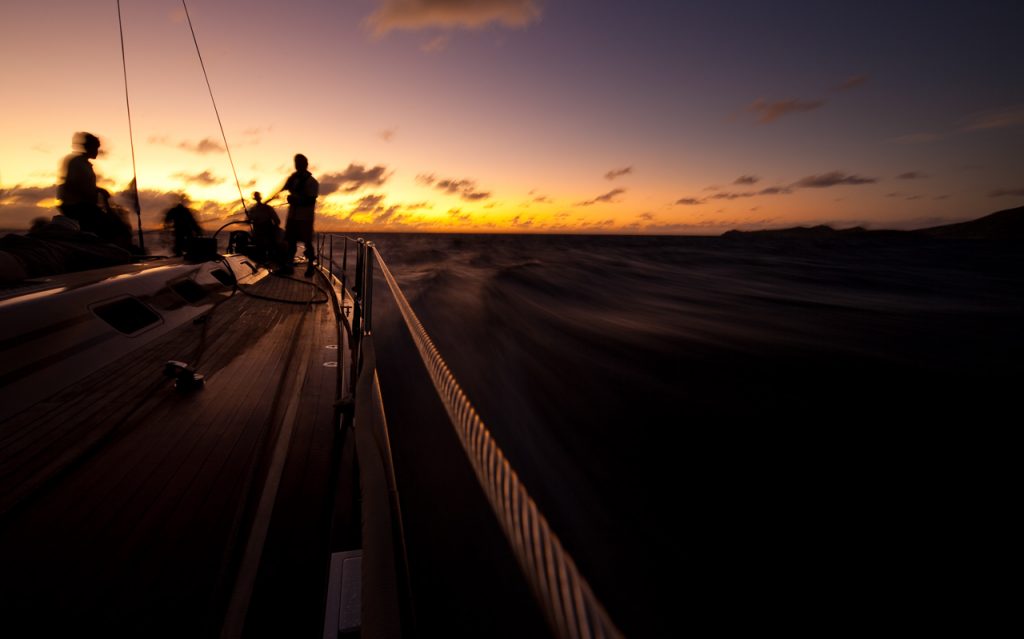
pixel 571 607
pixel 210 89
pixel 131 138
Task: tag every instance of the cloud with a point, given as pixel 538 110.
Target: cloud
pixel 833 178
pixel 1007 192
pixel 768 112
pixel 388 134
pixel 852 82
pixel 355 177
pixel 436 45
pixel 390 216
pixel 203 179
pixel 646 216
pixel 27 195
pixel 19 205
pixel 607 197
pixel 368 203
pixel 775 190
pixel 202 147
pixel 689 201
pixel 912 175
pixel 997 119
pixel 465 188
pixel 746 179
pixel 614 173
pixel 451 14
pixel 453 186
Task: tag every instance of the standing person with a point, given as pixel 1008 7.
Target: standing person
pixel 303 190
pixel 77 191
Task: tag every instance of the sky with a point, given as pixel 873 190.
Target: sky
pixel 544 116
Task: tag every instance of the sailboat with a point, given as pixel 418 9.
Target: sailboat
pixel 194 446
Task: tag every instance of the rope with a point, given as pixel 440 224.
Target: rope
pixel 571 608
pixel 216 112
pixel 131 137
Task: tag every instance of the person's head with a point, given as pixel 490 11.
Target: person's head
pixel 256 196
pixel 301 163
pixel 87 143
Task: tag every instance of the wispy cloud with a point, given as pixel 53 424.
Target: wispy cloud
pixel 775 190
pixel 202 147
pixel 1007 192
pixel 436 45
pixel 746 179
pixel 768 112
pixel 368 203
pixel 607 197
pixel 452 14
pixel 355 177
pixel 388 134
pixel 614 173
pixel 851 82
pixel 464 188
pixel 26 195
pixel 912 175
pixel 206 178
pixel 832 178
pixel 1006 118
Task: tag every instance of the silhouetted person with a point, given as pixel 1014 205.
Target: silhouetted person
pixel 303 190
pixel 184 225
pixel 77 191
pixel 114 226
pixel 266 230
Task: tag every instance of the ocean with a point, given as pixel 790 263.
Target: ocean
pixel 724 432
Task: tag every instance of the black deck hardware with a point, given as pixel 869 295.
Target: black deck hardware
pixel 186 378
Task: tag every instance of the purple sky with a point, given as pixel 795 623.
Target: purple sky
pixel 530 115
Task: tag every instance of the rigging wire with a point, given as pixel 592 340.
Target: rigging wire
pixel 210 89
pixel 131 137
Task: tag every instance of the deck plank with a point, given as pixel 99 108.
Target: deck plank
pixel 138 497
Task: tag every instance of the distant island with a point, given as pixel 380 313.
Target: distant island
pixel 1002 225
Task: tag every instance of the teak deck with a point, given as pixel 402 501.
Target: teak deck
pixel 130 508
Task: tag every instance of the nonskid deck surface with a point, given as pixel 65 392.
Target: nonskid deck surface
pixel 127 507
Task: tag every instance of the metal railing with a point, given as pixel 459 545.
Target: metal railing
pixel 569 604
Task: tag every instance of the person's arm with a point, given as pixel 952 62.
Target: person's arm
pixel 278 192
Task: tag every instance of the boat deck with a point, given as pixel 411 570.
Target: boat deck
pixel 130 508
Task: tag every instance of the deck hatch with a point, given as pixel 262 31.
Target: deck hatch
pixel 127 315
pixel 189 290
pixel 225 278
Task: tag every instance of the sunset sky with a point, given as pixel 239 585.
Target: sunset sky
pixel 529 115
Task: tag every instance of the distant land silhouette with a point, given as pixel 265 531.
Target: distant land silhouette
pixel 1001 225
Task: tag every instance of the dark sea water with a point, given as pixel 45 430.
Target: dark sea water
pixel 788 434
